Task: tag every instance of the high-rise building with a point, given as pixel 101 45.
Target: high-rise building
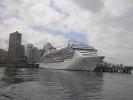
pixel 29 53
pixel 33 54
pixel 48 48
pixel 41 52
pixel 36 54
pixel 3 56
pixel 22 53
pixel 14 51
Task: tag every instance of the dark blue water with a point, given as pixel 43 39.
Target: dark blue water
pixel 42 84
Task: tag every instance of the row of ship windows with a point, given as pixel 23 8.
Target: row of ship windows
pixel 88 54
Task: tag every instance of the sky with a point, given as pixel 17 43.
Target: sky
pixel 104 24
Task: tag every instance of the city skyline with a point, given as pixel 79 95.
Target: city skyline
pixel 107 25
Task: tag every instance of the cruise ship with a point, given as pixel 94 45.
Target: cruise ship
pixel 75 56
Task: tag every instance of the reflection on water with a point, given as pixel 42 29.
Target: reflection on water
pixel 18 75
pixel 44 84
pixel 73 84
pixel 37 84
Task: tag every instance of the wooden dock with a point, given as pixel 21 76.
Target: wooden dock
pixel 27 66
pixel 126 70
pixel 21 65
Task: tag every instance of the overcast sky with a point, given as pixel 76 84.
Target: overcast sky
pixel 105 24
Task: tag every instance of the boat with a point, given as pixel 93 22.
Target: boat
pixel 75 56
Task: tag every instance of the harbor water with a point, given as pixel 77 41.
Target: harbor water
pixel 46 84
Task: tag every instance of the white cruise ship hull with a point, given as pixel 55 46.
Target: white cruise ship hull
pixel 78 63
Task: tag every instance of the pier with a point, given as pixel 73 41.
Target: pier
pixel 114 69
pixel 21 65
pixel 27 66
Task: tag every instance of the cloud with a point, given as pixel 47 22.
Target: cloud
pixel 91 5
pixel 105 24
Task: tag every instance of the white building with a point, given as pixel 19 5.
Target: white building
pixel 48 48
pixel 33 54
pixel 29 51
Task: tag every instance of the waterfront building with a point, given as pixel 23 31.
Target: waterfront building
pixel 49 48
pixel 22 53
pixel 14 50
pixel 3 56
pixel 33 54
pixel 23 59
pixel 36 54
pixel 41 52
pixel 29 53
